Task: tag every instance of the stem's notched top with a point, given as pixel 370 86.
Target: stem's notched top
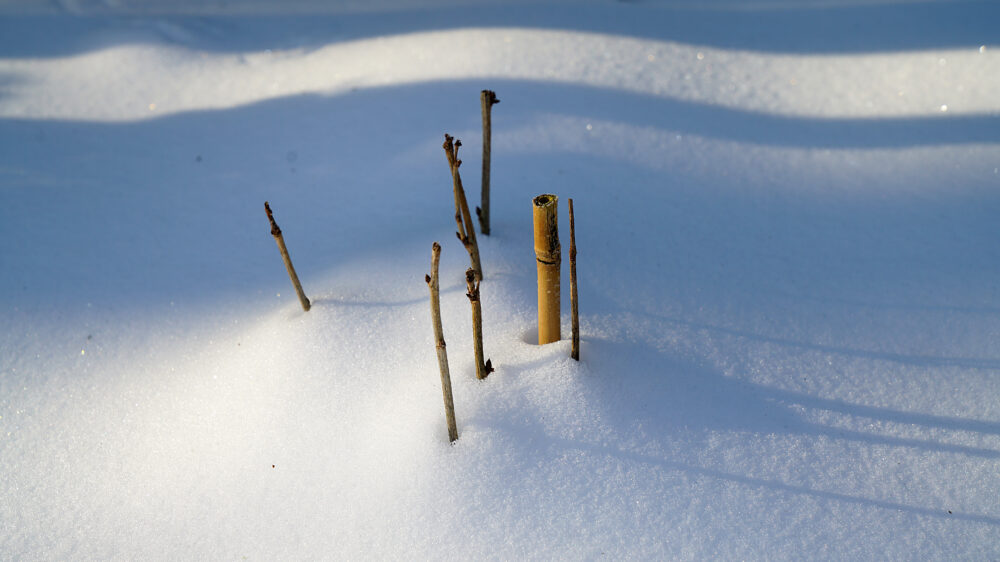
pixel 487 99
pixel 275 231
pixel 490 96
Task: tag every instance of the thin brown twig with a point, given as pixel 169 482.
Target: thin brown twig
pixel 466 231
pixel 442 354
pixel 574 306
pixel 280 239
pixel 487 99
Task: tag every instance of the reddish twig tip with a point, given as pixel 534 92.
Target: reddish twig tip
pixel 451 150
pixel 275 231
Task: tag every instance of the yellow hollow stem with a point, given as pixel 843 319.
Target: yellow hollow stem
pixel 548 260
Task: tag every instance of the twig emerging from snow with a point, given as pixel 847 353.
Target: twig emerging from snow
pixel 487 98
pixel 466 231
pixel 548 260
pixel 276 232
pixel 575 353
pixel 442 354
pixel 482 369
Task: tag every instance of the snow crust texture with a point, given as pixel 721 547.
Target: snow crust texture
pixel 788 260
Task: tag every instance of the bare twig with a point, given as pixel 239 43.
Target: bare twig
pixel 276 232
pixel 442 354
pixel 482 369
pixel 575 353
pixel 487 98
pixel 548 260
pixel 466 231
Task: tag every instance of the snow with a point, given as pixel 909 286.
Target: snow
pixel 788 281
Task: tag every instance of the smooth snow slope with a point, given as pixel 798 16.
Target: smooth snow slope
pixel 788 263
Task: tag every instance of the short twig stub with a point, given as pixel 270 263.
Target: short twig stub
pixel 280 239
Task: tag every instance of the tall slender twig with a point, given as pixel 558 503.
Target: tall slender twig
pixel 575 353
pixel 466 231
pixel 487 99
pixel 442 354
pixel 482 369
pixel 276 232
pixel 548 261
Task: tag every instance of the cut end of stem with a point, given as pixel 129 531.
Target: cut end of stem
pixel 546 227
pixel 545 200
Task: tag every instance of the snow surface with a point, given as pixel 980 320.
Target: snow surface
pixel 789 257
